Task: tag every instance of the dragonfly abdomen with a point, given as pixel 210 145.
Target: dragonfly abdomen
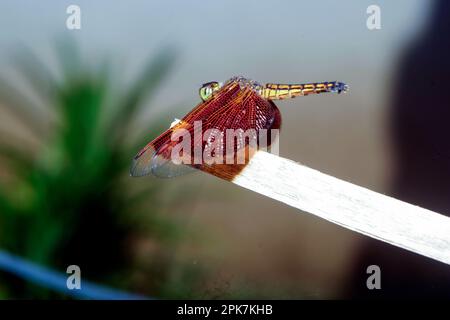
pixel 273 91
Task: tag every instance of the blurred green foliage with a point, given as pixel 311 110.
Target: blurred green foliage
pixel 69 200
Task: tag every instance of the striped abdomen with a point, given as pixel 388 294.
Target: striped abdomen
pixel 272 91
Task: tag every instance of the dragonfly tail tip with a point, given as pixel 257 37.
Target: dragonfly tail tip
pixel 340 87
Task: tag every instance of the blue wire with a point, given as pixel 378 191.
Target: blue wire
pixel 58 281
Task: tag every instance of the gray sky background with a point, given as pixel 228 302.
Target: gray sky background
pixel 288 41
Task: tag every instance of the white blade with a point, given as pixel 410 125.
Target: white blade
pixel 356 208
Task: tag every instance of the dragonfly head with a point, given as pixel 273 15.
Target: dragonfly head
pixel 207 89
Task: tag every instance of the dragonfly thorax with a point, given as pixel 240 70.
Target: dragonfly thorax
pixel 207 89
pixel 247 83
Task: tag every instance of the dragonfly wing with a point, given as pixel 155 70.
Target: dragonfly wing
pixel 231 107
pixel 165 168
pixel 142 162
pixel 155 158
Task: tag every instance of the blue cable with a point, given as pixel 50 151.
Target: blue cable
pixel 57 281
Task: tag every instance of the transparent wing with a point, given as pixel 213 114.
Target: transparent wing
pixel 155 158
pixel 142 162
pixel 149 161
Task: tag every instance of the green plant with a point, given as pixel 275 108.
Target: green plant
pixel 64 199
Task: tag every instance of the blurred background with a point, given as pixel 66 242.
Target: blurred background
pixel 76 106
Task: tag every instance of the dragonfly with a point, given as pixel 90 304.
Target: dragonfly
pixel 237 104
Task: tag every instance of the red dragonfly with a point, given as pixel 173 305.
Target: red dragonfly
pixel 238 104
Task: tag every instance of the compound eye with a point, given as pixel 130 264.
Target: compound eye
pixel 208 89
